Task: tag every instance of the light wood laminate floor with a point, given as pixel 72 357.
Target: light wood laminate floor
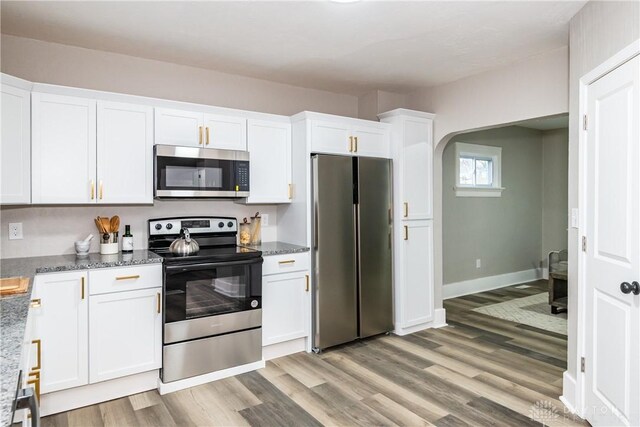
pixel 478 371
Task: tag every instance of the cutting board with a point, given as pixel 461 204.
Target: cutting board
pixel 14 285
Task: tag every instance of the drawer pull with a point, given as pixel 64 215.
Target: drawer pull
pixel 82 282
pixel 289 261
pixel 133 277
pixel 35 303
pixel 307 287
pixel 38 344
pixel 158 301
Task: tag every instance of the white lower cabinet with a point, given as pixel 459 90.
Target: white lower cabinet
pixel 61 326
pixel 417 271
pixel 125 330
pixel 285 301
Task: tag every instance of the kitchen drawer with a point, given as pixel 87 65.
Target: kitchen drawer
pixel 105 280
pixel 275 264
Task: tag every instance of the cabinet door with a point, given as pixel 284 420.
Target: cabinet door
pixel 285 301
pixel 178 127
pixel 64 149
pixel 60 323
pixel 126 333
pixel 417 253
pixel 417 170
pixel 225 132
pixel 15 146
pixel 330 138
pixel 125 153
pixel 370 141
pixel 269 146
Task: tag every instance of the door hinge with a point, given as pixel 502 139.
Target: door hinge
pixel 584 122
pixel 584 243
pixel 582 364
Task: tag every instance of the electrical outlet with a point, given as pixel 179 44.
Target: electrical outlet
pixel 15 231
pixel 478 263
pixel 265 220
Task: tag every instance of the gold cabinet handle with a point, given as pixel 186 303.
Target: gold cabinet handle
pixel 290 191
pixel 406 232
pixel 135 276
pixel 82 283
pixel 406 209
pixel 351 144
pixel 208 136
pixel 35 383
pixel 93 190
pixel 35 303
pixel 100 191
pixel 199 135
pixel 307 287
pixel 158 302
pixel 289 261
pixel 38 344
pixel 355 140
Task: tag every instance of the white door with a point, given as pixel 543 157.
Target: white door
pixel 61 325
pixel 15 146
pixel 612 191
pixel 179 127
pixel 225 132
pixel 369 141
pixel 125 333
pixel 63 149
pixel 417 252
pixel 125 153
pixel 331 138
pixel 417 170
pixel 284 307
pixel 269 146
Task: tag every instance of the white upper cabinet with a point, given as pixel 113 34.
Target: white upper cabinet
pixel 225 132
pixel 349 137
pixel 197 129
pixel 412 152
pixel 269 145
pixel 15 146
pixel 63 149
pixel 125 153
pixel 179 127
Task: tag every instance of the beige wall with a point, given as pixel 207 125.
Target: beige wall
pixel 597 32
pixel 555 184
pixel 379 101
pixel 59 64
pixel 505 232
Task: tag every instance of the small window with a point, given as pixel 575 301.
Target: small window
pixel 478 170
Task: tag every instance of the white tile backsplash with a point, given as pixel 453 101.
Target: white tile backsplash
pixel 51 230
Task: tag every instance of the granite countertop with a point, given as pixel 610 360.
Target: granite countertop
pixel 14 309
pixel 278 248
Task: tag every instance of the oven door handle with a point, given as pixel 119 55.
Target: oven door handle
pixel 173 269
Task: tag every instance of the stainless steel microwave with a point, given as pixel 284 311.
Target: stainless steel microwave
pixel 192 172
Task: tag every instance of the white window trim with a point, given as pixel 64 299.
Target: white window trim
pixel 473 150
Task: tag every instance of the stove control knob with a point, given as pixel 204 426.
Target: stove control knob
pixel 230 224
pixel 220 224
pixel 254 303
pixel 169 226
pixel 158 226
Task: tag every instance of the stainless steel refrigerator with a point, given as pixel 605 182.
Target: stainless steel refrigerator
pixel 353 293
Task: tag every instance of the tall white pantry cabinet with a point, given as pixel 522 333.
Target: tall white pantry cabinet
pixel 412 153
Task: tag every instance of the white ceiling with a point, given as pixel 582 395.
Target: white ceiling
pixel 547 123
pixel 351 48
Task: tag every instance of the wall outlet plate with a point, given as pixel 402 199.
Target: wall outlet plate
pixel 478 263
pixel 265 220
pixel 15 231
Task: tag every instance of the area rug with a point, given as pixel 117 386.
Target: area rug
pixel 533 310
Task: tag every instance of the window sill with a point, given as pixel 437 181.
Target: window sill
pixel 478 191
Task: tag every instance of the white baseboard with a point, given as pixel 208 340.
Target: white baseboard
pixel 77 397
pixel 569 393
pixel 164 388
pixel 274 351
pixel 438 321
pixel 482 284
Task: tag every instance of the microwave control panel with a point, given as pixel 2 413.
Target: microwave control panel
pixel 242 176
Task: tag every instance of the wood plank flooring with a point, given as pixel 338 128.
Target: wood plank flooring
pixel 478 371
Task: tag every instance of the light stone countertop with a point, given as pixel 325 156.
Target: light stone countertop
pixel 278 248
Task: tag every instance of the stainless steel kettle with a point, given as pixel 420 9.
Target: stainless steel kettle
pixel 184 245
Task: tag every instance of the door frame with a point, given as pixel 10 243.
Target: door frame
pixel 626 54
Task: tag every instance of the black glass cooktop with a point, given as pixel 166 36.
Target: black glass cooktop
pixel 211 254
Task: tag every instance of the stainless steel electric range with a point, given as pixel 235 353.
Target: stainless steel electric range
pixel 212 299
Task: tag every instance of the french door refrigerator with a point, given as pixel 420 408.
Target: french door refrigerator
pixel 352 253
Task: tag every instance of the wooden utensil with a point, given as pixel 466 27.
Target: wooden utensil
pixel 114 224
pixel 101 229
pixel 106 225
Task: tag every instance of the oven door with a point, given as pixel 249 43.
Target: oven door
pixel 200 172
